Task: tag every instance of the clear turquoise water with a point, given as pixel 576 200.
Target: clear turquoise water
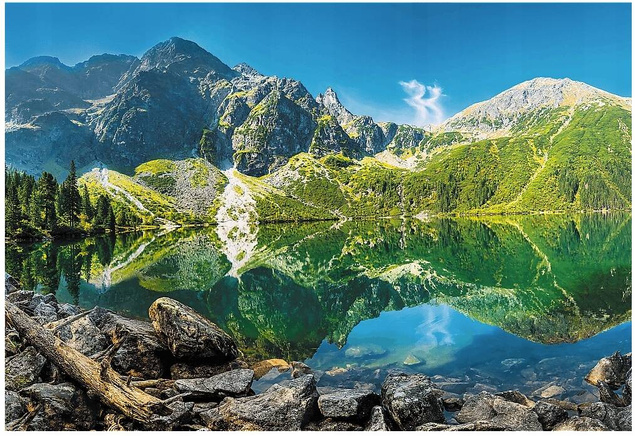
pixel 494 303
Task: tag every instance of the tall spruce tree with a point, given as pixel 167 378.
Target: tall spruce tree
pixel 71 199
pixel 87 206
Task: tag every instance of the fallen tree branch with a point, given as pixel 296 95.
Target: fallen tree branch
pixel 55 326
pixel 110 388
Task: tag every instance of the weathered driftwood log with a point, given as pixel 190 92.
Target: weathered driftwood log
pixel 105 382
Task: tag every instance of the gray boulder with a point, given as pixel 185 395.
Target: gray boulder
pixel 141 354
pixel 23 369
pixel 348 404
pixel 236 383
pixel 611 370
pixel 84 336
pixel 549 414
pixel 470 426
pixel 628 388
pixel 581 423
pixel 299 369
pixel 377 421
pixel 14 406
pixel 615 418
pixel 188 334
pixel 45 313
pixel 181 370
pixel 330 424
pixel 284 406
pixel 498 411
pixel 62 407
pixel 411 400
pixel 65 310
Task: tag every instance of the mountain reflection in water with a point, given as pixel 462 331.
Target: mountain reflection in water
pixel 371 294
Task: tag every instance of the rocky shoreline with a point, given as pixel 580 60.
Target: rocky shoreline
pixel 194 369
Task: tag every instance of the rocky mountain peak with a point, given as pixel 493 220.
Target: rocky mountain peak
pixel 43 61
pixel 247 70
pixel 501 112
pixel 183 57
pixel 332 104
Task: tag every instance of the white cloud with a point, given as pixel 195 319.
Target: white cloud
pixel 425 100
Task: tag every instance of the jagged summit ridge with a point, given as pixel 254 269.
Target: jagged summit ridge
pixel 336 109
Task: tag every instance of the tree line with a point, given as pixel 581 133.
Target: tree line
pixel 43 207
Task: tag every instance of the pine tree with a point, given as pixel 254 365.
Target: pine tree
pixel 47 191
pixel 111 219
pixel 71 199
pixel 87 205
pixel 13 213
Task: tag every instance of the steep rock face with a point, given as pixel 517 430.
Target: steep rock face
pixel 265 140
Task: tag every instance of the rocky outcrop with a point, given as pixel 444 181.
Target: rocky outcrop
pixel 189 335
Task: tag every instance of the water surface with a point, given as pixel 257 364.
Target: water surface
pixel 495 303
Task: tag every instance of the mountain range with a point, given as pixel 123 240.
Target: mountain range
pixel 281 154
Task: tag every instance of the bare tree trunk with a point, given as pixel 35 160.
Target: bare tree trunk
pixel 101 379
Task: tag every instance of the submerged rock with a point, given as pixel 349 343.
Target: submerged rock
pixel 516 397
pixel 236 383
pixel 549 414
pixel 188 334
pixel 285 406
pixel 581 423
pixel 299 369
pixel 363 351
pixel 499 411
pixel 23 369
pixel 348 404
pixel 611 370
pixel 411 400
pixel 264 366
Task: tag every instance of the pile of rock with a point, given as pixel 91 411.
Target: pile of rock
pixel 181 355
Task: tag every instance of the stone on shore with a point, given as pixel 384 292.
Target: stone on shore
pixel 611 370
pixel 83 336
pixel 236 383
pixel 188 334
pixel 615 418
pixel 581 423
pixel 348 404
pixel 377 421
pixel 141 354
pixel 470 426
pixel 499 411
pixel 330 424
pixel 62 407
pixel 299 369
pixel 23 369
pixel 181 370
pixel 516 397
pixel 284 406
pixel 411 400
pixel 628 388
pixel 549 414
pixel 14 406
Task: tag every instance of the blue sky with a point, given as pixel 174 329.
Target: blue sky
pixel 375 56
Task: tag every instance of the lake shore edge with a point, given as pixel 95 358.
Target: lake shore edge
pixel 195 372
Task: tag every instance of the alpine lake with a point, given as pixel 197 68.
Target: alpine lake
pixel 493 303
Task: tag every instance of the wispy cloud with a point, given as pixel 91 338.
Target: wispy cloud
pixel 426 101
